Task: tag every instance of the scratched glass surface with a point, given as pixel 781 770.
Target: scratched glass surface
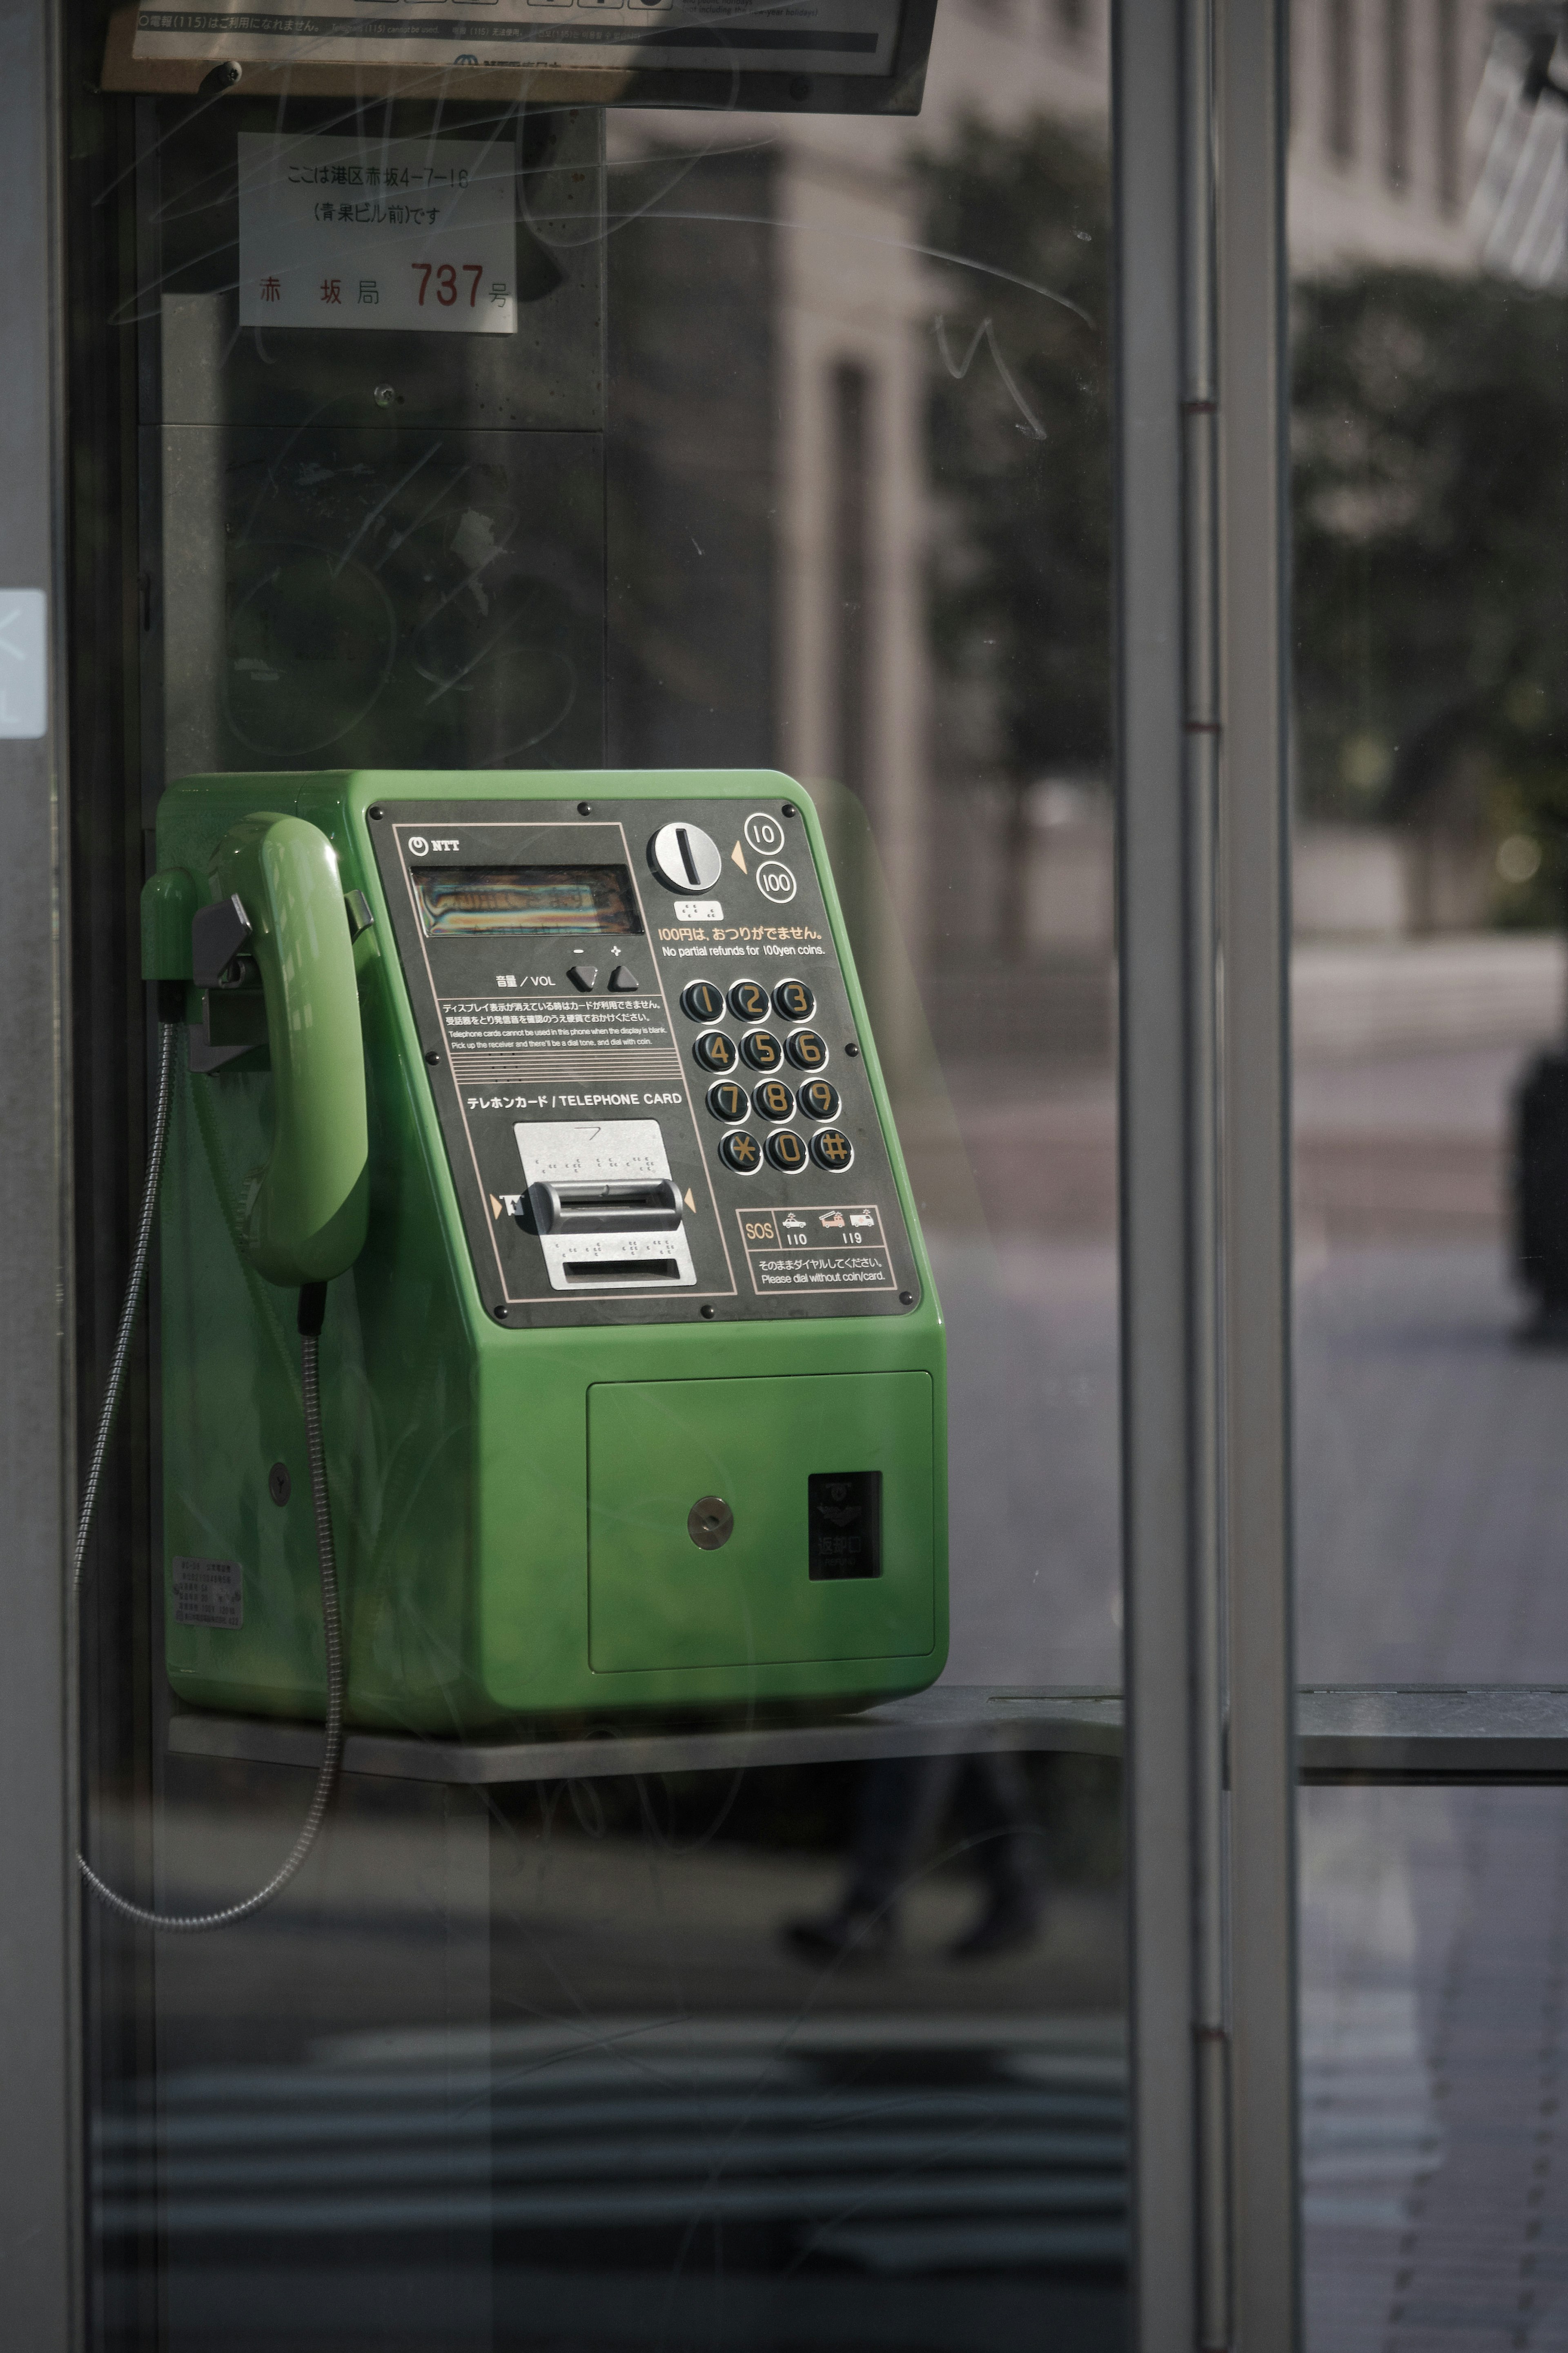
pixel 798 457
pixel 1431 334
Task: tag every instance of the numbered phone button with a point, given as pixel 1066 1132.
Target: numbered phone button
pixel 787 1151
pixel 762 1050
pixel 715 1052
pixel 727 1101
pixel 807 1049
pixel 819 1099
pixel 700 1001
pixel 749 1001
pixel 741 1152
pixel 773 1099
pixel 831 1149
pixel 793 1001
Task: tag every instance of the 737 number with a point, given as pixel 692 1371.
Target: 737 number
pixel 445 276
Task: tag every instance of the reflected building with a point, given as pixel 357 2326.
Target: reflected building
pixel 785 501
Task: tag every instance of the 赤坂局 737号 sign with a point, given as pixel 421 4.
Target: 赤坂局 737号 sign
pixel 392 233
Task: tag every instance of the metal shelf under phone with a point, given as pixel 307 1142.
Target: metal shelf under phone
pixel 1390 1735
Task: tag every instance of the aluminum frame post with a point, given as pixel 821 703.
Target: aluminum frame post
pixel 40 2244
pixel 1161 1209
pixel 1251 59
pixel 1200 540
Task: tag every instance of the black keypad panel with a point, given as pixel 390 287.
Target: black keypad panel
pixel 715 1052
pixel 700 1001
pixel 793 1001
pixel 741 1152
pixel 727 1101
pixel 749 1001
pixel 762 1050
pixel 736 1043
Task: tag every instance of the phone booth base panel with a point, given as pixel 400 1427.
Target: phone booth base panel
pixel 821 1495
pixel 578 1337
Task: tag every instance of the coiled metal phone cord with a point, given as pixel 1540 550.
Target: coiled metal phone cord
pixel 313 1301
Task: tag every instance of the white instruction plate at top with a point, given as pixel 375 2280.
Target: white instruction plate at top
pixel 839 36
pixel 400 233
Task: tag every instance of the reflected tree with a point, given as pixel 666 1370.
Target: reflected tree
pixel 1431 600
pixel 1019 423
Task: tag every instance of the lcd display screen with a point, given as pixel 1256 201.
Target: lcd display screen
pixel 521 899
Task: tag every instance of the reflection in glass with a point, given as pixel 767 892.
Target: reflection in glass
pixel 799 458
pixel 1430 363
pixel 1432 2025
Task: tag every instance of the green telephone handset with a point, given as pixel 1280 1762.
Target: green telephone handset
pixel 279 903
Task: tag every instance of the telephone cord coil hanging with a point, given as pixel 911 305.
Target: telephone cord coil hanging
pixel 313 1300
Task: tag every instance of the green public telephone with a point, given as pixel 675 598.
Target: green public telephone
pixel 633 1383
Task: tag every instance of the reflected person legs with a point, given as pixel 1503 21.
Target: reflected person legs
pixel 899 1803
pixel 898 1800
pixel 992 1800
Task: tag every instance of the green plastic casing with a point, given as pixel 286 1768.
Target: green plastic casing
pixel 509 1506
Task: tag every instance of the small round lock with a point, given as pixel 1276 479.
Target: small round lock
pixel 279 1486
pixel 709 1523
pixel 684 858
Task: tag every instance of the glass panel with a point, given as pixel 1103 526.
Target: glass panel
pixel 1429 365
pixel 1428 977
pixel 1431 1994
pixel 668 1969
